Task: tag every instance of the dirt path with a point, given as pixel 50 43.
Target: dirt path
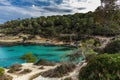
pixel 104 40
pixel 75 74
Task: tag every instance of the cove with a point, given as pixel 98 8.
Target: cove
pixel 10 55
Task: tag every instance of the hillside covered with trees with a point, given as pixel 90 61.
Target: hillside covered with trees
pixel 105 21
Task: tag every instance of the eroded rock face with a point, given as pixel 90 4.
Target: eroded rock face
pixel 26 39
pixel 9 40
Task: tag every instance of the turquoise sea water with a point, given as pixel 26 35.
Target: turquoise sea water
pixel 10 55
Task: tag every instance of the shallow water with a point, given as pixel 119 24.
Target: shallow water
pixel 10 55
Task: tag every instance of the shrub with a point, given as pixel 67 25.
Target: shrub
pixel 28 57
pixel 4 76
pixel 102 67
pixel 14 68
pixel 44 63
pixel 113 47
pixel 41 67
pixel 2 71
pixel 68 78
pixel 59 71
pixel 25 71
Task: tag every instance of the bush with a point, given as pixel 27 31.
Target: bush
pixel 113 47
pixel 90 56
pixel 59 71
pixel 44 63
pixel 2 71
pixel 102 67
pixel 25 71
pixel 28 57
pixel 68 78
pixel 14 68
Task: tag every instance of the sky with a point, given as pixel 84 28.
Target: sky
pixel 14 9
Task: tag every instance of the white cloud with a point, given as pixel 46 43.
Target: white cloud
pixel 23 11
pixel 66 7
pixel 5 2
pixel 90 5
pixel 118 2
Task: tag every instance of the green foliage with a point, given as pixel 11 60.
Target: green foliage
pixel 2 71
pixel 28 57
pixel 84 52
pixel 102 67
pixel 113 47
pixel 59 71
pixel 90 23
pixel 87 48
pixel 68 78
pixel 107 10
pixel 44 63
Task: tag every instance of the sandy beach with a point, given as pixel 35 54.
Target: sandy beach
pixel 35 70
pixel 74 74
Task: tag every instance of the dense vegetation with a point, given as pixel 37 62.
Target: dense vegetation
pixel 85 51
pixel 105 66
pixel 113 47
pixel 102 67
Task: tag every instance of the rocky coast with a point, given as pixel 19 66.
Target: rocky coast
pixel 26 39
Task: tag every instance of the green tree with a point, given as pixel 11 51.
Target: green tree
pixel 86 51
pixel 29 57
pixel 113 47
pixel 87 48
pixel 107 9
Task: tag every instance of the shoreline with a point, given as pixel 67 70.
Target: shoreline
pixel 29 43
pixel 8 40
pixel 16 40
pixel 36 70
